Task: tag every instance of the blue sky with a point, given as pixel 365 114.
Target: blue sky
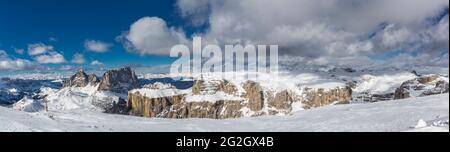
pixel 75 33
pixel 70 22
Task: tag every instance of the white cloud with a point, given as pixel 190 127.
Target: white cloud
pixel 50 58
pixel 78 58
pixel 18 64
pixel 38 48
pixel 3 54
pixel 96 63
pixel 7 63
pixel 97 46
pixel 152 36
pixel 324 28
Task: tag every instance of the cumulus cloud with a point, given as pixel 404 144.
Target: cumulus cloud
pixel 325 28
pixel 38 48
pixel 97 46
pixel 152 36
pixel 78 58
pixel 50 58
pixel 7 63
pixel 96 63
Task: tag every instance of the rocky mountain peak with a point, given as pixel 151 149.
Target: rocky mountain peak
pixel 120 81
pixel 80 79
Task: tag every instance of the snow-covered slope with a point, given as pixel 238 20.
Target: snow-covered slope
pixel 399 115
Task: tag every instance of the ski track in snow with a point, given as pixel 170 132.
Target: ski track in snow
pixel 398 115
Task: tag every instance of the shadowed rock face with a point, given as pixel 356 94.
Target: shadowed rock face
pixel 119 81
pixel 81 79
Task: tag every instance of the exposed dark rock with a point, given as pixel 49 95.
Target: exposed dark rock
pixel 415 73
pixel 174 107
pixel 280 101
pixel 92 79
pixel 255 95
pixel 80 79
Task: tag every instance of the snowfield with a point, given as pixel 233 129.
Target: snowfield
pixel 429 113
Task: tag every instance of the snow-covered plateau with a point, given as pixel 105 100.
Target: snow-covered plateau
pixel 318 99
pixel 428 113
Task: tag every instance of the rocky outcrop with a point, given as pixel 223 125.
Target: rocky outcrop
pixel 213 86
pixel 422 86
pixel 322 97
pixel 119 81
pixel 249 99
pixel 13 90
pixel 80 79
pixel 198 86
pixel 255 95
pixel 213 110
pixel 175 107
pixel 93 79
pixel 151 107
pixel 440 87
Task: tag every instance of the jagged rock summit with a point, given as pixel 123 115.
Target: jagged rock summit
pixel 119 81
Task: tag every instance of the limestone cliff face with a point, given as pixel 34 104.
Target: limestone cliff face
pixel 321 97
pixel 175 107
pixel 80 79
pixel 253 97
pixel 92 78
pixel 151 107
pixel 119 81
